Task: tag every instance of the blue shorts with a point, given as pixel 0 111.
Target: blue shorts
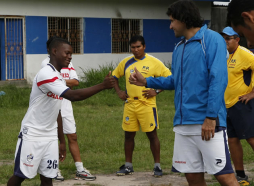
pixel 240 120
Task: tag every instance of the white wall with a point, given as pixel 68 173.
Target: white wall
pixel 85 61
pixel 142 9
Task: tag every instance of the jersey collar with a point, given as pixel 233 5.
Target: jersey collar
pixel 141 58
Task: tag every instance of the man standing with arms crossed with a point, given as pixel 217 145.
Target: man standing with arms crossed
pixel 69 126
pixel 240 113
pixel 140 103
pixel 37 147
pixel 198 78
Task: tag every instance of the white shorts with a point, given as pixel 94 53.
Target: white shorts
pixel 69 125
pixel 194 155
pixel 34 157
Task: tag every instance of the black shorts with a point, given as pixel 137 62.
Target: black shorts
pixel 240 120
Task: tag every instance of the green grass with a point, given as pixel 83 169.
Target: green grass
pixel 100 135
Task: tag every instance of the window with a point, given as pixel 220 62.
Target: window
pixel 122 31
pixel 67 28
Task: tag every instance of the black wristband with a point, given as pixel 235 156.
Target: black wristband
pixel 212 118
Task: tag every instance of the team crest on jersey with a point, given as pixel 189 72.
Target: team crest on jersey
pixel 233 61
pixel 131 71
pixel 127 118
pixel 29 157
pixel 25 130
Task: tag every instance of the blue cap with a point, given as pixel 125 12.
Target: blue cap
pixel 229 31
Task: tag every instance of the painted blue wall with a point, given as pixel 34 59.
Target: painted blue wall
pixel 97 35
pixel 158 36
pixel 36 34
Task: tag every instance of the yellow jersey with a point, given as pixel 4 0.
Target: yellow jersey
pixel 148 66
pixel 240 75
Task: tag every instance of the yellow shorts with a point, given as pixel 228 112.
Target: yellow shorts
pixel 137 114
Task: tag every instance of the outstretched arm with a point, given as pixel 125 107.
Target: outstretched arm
pixel 71 83
pixel 165 83
pixel 81 94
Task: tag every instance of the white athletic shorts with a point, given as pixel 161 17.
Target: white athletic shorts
pixel 69 125
pixel 34 157
pixel 194 155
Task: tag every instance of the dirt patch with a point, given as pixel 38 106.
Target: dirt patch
pixel 144 179
pixel 137 179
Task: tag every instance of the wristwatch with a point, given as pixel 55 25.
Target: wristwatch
pixel 157 91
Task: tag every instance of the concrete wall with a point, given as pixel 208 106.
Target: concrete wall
pixel 160 39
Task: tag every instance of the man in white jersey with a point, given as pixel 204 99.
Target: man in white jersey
pixel 37 147
pixel 69 126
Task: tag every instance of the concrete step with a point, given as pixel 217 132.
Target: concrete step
pixel 18 83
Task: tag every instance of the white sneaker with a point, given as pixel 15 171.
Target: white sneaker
pixel 85 175
pixel 59 177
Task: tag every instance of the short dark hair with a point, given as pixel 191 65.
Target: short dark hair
pixel 187 12
pixel 136 38
pixel 56 43
pixel 50 40
pixel 236 8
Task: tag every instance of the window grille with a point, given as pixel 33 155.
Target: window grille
pixel 67 28
pixel 122 31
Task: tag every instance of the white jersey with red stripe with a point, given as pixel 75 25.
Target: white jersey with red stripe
pixel 67 73
pixel 39 122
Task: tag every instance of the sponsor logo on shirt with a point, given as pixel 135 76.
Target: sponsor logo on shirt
pixel 65 75
pixel 151 124
pixel 182 162
pixel 131 71
pixel 232 63
pixel 145 70
pixel 52 95
pixel 127 118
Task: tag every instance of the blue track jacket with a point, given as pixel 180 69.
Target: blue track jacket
pixel 199 77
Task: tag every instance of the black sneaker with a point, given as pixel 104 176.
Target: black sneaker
pixel 157 172
pixel 124 171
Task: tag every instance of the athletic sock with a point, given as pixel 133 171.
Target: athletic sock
pixel 128 164
pixel 79 166
pixel 157 165
pixel 240 173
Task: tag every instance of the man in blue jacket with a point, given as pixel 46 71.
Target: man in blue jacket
pixel 199 78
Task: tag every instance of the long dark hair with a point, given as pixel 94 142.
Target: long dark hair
pixel 187 12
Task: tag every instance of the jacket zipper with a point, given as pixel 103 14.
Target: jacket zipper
pixel 182 86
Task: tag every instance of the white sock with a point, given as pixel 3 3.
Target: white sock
pixel 157 165
pixel 128 164
pixel 79 166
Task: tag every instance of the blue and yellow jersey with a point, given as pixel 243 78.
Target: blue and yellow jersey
pixel 240 75
pixel 148 66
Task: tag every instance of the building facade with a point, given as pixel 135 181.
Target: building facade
pixel 98 30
